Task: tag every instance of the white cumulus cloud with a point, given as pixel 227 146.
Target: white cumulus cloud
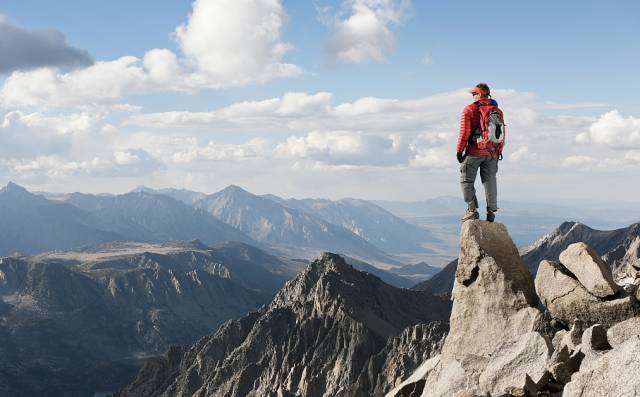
pixel 365 33
pixel 235 42
pixel 614 130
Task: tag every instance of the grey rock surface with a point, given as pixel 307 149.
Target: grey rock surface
pixel 509 366
pixel 455 376
pixel 616 373
pixel 620 332
pixel 562 365
pixel 316 338
pixel 493 296
pixel 567 299
pixel 404 354
pixel 590 270
pixel 494 299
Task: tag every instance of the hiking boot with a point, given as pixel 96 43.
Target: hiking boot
pixel 491 216
pixel 470 214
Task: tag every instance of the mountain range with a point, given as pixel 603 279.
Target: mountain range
pixel 30 223
pixel 290 230
pixel 296 228
pixel 76 322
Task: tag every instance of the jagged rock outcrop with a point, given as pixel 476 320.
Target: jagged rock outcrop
pixel 493 296
pixel 317 338
pixel 493 322
pixel 590 270
pixel 403 354
pixel 591 320
pixel 567 299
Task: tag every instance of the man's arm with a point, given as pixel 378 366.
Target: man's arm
pixel 465 131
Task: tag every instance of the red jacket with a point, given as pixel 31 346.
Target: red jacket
pixel 469 122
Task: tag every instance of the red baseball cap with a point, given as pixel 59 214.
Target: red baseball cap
pixel 480 88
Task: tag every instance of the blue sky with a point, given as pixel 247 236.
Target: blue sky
pixel 567 69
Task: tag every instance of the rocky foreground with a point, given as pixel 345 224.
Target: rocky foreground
pixel 585 343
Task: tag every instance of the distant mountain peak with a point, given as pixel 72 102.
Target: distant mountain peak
pixel 565 227
pixel 142 188
pixel 331 263
pixel 234 189
pixel 13 188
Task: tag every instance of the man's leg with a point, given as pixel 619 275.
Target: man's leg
pixel 488 171
pixel 468 172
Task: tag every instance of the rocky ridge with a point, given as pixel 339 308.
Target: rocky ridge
pixel 333 331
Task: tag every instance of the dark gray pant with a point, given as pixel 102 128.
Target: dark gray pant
pixel 488 169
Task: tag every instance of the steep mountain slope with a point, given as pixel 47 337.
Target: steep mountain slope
pixel 30 223
pixel 617 247
pixel 149 217
pixel 72 323
pixel 319 337
pixel 287 229
pixel 367 220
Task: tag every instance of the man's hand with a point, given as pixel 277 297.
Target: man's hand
pixel 460 157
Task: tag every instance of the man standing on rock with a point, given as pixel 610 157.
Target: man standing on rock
pixel 480 145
